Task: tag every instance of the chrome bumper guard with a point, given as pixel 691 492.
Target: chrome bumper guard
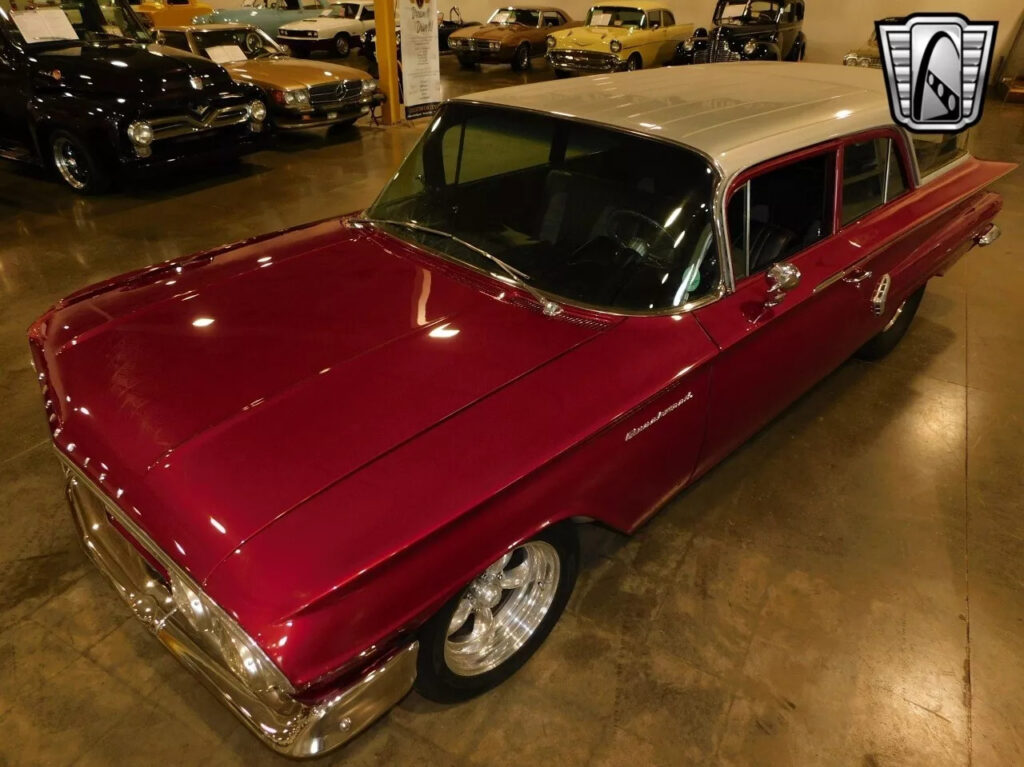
pixel 287 725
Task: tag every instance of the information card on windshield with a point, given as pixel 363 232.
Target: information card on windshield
pixel 44 24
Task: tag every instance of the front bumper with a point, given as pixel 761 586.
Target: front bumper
pixel 282 721
pixel 287 120
pixel 585 61
pixel 481 53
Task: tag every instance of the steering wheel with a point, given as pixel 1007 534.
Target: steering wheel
pixel 648 239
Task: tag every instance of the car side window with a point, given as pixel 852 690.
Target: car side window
pixel 872 175
pixel 933 150
pixel 781 212
pixel 367 13
pixel 668 19
pixel 176 40
pixel 654 19
pixel 551 19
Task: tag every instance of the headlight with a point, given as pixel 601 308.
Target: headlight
pixel 257 111
pixel 850 59
pixel 688 45
pixel 615 46
pixel 551 42
pixel 750 48
pixel 369 86
pixel 223 638
pixel 495 45
pixel 864 62
pixel 295 99
pixel 140 133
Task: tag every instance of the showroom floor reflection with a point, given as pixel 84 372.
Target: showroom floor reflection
pixel 808 602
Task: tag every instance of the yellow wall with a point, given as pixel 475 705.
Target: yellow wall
pixel 832 26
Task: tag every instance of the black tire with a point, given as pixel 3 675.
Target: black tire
pixel 634 62
pixel 562 73
pixel 521 58
pixel 797 52
pixel 342 45
pixel 77 164
pixel 886 340
pixel 466 63
pixel 436 681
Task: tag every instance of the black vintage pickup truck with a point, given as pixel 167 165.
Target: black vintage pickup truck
pixel 747 30
pixel 84 90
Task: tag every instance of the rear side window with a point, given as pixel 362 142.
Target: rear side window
pixel 933 150
pixel 872 175
pixel 654 19
pixel 667 18
pixel 176 40
pixel 779 213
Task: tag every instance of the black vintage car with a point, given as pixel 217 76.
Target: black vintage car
pixel 84 90
pixel 445 26
pixel 748 29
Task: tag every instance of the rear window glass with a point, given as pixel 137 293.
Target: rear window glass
pixel 933 150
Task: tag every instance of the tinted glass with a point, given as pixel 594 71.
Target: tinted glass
pixel 864 165
pixel 614 16
pixel 654 19
pixel 367 14
pixel 667 18
pixel 588 213
pixel 791 208
pixel 933 150
pixel 176 40
pixel 897 174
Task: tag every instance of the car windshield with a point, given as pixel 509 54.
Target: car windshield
pixel 583 213
pixel 63 22
pixel 756 11
pixel 226 45
pixel 614 16
pixel 341 11
pixel 530 18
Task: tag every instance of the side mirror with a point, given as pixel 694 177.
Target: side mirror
pixel 781 278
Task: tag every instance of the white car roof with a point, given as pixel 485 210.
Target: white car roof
pixel 738 113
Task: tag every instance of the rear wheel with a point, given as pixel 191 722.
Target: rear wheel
pixel 634 63
pixel 521 59
pixel 77 164
pixel 893 333
pixel 487 632
pixel 342 45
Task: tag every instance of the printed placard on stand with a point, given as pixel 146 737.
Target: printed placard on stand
pixel 421 63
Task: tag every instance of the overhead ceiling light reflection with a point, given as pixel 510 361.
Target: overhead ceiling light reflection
pixel 842 114
pixel 443 331
pixel 202 322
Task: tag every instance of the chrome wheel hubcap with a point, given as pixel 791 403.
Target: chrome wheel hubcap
pixel 65 157
pixel 501 609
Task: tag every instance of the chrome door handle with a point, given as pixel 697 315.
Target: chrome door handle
pixel 858 278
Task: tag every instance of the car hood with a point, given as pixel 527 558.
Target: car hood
pixel 743 31
pixel 287 72
pixel 149 71
pixel 490 31
pixel 589 37
pixel 317 21
pixel 211 396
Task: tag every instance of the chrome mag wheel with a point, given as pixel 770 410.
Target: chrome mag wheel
pixel 502 608
pixel 69 163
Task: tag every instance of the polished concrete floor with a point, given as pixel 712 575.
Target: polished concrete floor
pixel 844 590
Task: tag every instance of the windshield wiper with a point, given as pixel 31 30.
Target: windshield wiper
pixel 549 307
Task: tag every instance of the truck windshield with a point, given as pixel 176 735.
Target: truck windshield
pixel 751 11
pixel 64 22
pixel 585 214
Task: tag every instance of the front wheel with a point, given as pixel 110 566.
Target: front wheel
pixel 885 341
pixel 634 63
pixel 562 73
pixel 521 59
pixel 77 164
pixel 465 62
pixel 342 45
pixel 487 632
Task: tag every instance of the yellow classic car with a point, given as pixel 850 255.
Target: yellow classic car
pixel 299 94
pixel 169 13
pixel 616 37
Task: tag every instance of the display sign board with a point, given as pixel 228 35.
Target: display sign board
pixel 421 63
pixel 45 24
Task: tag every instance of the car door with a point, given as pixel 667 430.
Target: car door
pixel 787 322
pixel 15 138
pixel 366 20
pixel 654 39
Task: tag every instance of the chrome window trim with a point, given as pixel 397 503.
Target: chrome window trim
pixel 718 192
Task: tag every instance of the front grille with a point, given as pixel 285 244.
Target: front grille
pixel 584 61
pixel 719 51
pixel 335 94
pixel 202 120
pixel 296 33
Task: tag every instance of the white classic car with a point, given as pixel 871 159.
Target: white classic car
pixel 337 29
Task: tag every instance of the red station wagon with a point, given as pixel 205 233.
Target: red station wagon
pixel 331 463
